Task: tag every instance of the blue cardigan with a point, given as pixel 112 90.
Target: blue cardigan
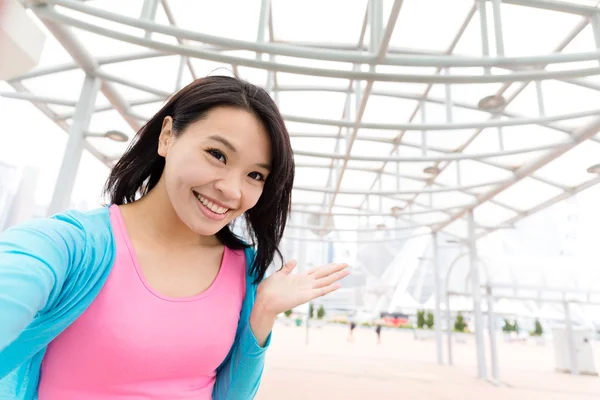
pixel 52 269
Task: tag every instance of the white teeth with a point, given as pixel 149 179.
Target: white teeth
pixel 211 206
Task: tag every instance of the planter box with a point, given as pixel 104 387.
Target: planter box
pixel 461 337
pixel 317 323
pixel 424 334
pixel 539 340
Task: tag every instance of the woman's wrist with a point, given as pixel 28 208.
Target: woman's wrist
pixel 261 322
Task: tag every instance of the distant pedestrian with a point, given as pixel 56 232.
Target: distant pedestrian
pixel 351 336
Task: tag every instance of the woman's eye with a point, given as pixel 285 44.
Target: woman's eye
pixel 256 176
pixel 217 154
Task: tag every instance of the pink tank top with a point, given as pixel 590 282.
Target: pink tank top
pixel 134 343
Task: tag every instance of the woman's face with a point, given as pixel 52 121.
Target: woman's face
pixel 215 169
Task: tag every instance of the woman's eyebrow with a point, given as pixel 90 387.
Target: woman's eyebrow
pixel 265 166
pixel 224 141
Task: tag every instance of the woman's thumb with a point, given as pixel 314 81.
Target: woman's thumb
pixel 289 267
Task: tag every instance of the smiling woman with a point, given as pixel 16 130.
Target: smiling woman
pixel 161 299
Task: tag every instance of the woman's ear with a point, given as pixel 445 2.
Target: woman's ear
pixel 165 139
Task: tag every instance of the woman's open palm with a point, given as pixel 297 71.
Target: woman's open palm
pixel 283 290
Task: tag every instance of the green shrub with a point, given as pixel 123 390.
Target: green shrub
pixel 420 319
pixel 537 331
pixel 459 324
pixel 320 312
pixel 429 321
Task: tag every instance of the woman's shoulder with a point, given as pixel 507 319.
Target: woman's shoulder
pixel 72 228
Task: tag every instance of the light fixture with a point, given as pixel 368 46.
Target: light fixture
pixel 494 103
pixel 594 169
pixel 117 136
pixel 433 170
pixel 396 210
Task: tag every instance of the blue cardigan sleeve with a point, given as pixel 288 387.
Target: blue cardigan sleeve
pixel 238 378
pixel 34 258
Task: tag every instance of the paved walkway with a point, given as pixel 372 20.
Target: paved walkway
pixel 330 367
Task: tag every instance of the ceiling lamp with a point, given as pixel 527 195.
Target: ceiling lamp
pixel 433 170
pixel 117 136
pixel 594 169
pixel 493 104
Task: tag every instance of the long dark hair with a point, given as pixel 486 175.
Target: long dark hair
pixel 140 167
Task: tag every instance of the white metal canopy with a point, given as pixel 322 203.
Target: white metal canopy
pixel 409 112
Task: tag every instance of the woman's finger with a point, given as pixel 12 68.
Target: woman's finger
pixel 327 270
pixel 328 280
pixel 325 290
pixel 316 269
pixel 288 267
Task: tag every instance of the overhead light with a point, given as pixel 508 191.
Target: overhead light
pixel 594 169
pixel 112 135
pixel 396 209
pixel 117 136
pixel 494 103
pixel 433 170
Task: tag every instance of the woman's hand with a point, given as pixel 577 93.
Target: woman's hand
pixel 283 291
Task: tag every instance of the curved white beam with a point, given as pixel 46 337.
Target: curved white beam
pixel 362 213
pixel 333 240
pixel 395 192
pixel 492 123
pixel 346 56
pixel 579 136
pixel 362 229
pixel 46 13
pixel 445 157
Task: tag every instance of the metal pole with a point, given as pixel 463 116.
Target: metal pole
pixel 596 29
pixel 448 99
pixel 571 340
pixel 449 327
pixel 68 171
pixel 492 332
pixel 498 27
pixel 540 98
pixel 424 132
pixel 438 299
pixel 265 9
pixel 148 14
pixel 485 46
pixel 306 341
pixel 481 366
pixel 179 82
pixel 376 24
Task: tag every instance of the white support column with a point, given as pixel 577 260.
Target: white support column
pixel 438 299
pixel 449 327
pixel 571 340
pixel 148 13
pixel 492 332
pixel 481 365
pixel 496 11
pixel 376 24
pixel 540 98
pixel 68 171
pixel 485 45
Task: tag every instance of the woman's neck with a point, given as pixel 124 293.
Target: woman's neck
pixel 153 220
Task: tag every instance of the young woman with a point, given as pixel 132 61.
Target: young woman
pixel 154 296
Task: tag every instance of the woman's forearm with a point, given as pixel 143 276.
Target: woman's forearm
pixel 261 322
